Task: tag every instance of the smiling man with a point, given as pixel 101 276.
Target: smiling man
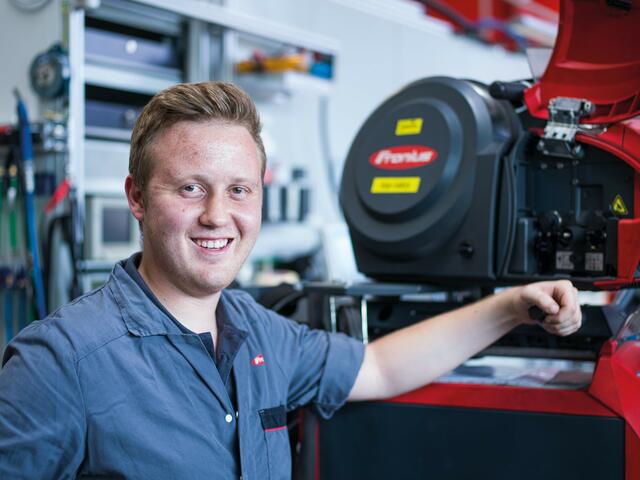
pixel 162 372
pixel 200 209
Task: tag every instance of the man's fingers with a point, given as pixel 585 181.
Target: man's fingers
pixel 560 303
pixel 568 321
pixel 541 299
pixel 565 293
pixel 567 298
pixel 566 314
pixel 568 326
pixel 564 330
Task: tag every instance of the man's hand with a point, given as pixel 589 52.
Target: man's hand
pixel 557 299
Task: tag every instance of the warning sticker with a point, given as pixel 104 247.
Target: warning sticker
pixel 564 260
pixel 408 126
pixel 618 206
pixel 395 185
pixel 594 262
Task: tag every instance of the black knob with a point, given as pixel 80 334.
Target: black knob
pixel 550 220
pixel 596 238
pixel 566 236
pixel 514 92
pixel 465 250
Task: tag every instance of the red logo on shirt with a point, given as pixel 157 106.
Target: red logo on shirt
pixel 259 360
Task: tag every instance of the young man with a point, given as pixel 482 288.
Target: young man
pixel 162 373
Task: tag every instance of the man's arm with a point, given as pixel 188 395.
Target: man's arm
pixel 42 421
pixel 416 355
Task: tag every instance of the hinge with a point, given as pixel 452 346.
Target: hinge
pixel 560 132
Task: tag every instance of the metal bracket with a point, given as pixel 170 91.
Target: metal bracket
pixel 560 132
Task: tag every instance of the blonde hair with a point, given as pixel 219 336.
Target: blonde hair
pixel 195 102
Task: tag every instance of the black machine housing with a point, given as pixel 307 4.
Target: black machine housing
pixel 444 184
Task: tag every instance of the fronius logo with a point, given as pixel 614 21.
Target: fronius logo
pixel 403 157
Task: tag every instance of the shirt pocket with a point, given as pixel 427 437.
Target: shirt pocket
pixel 274 425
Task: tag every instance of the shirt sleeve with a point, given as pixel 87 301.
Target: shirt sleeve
pixel 42 424
pixel 320 367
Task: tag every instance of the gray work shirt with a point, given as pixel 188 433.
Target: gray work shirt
pixel 108 386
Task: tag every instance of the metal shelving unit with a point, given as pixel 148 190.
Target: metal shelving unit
pixel 211 39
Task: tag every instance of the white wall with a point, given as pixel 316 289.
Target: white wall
pixel 383 48
pixel 23 35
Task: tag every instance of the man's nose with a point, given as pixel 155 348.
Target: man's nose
pixel 216 211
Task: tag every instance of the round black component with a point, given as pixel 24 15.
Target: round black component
pixel 596 238
pixel 550 221
pixel 513 91
pixel 50 73
pixel 409 177
pixel 466 250
pixel 566 236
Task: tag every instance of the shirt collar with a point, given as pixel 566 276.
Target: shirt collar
pixel 144 314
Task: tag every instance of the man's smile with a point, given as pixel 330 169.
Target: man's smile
pixel 212 244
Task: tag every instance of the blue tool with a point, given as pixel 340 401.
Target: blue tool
pixel 27 168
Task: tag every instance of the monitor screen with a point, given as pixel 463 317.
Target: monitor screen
pixel 116 225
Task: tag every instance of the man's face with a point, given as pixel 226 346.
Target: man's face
pixel 201 210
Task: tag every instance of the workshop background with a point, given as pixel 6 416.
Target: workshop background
pixel 556 195
pixel 338 60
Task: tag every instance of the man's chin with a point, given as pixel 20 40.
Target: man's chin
pixel 206 289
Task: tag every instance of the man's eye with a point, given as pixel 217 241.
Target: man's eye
pixel 192 188
pixel 239 190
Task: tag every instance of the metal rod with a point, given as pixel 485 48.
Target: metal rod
pixel 365 320
pixel 332 314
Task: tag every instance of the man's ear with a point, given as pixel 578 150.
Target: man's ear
pixel 134 197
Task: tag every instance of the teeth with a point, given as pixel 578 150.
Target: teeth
pixel 212 244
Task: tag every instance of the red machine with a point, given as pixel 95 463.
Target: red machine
pixel 576 418
pixel 600 69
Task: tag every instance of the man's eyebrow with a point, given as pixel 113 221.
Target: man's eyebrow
pixel 245 180
pixel 178 177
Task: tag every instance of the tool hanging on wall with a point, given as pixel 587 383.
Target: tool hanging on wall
pixel 12 272
pixel 5 277
pixel 12 195
pixel 26 149
pixel 65 226
pixel 50 75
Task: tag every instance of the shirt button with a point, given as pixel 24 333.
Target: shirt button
pixel 228 418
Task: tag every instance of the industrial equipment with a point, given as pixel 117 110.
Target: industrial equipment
pixel 453 185
pixel 447 184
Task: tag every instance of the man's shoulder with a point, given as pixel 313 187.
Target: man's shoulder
pixel 83 325
pixel 242 307
pixel 246 312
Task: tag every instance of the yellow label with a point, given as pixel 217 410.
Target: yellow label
pixel 395 185
pixel 618 206
pixel 408 126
